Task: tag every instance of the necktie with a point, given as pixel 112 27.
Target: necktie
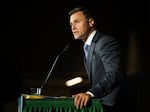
pixel 86 48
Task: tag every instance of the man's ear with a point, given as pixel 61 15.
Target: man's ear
pixel 91 22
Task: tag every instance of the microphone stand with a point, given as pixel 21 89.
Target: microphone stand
pixel 50 71
pixel 37 91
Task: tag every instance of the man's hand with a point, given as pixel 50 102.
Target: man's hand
pixel 81 99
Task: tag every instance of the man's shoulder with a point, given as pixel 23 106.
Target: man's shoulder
pixel 100 36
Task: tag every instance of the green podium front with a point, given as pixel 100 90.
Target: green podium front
pixel 32 103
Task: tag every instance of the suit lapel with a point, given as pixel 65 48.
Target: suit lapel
pixel 88 62
pixel 89 59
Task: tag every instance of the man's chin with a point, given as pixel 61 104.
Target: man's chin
pixel 75 37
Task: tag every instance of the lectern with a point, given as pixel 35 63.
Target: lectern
pixel 38 103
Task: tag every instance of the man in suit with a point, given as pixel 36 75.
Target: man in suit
pixel 103 62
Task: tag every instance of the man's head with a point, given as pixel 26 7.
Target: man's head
pixel 81 22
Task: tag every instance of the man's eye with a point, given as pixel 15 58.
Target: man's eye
pixel 77 21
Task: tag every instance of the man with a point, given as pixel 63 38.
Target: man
pixel 103 62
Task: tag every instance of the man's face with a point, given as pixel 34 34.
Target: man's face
pixel 79 26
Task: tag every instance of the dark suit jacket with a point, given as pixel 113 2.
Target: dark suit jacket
pixel 104 68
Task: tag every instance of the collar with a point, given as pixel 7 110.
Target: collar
pixel 89 39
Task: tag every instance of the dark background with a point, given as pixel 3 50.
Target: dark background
pixel 34 32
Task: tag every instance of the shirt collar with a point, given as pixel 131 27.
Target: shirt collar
pixel 89 39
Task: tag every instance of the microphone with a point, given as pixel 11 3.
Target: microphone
pixel 38 90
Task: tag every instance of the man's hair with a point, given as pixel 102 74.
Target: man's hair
pixel 86 12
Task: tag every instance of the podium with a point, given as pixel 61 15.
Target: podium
pixel 38 103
